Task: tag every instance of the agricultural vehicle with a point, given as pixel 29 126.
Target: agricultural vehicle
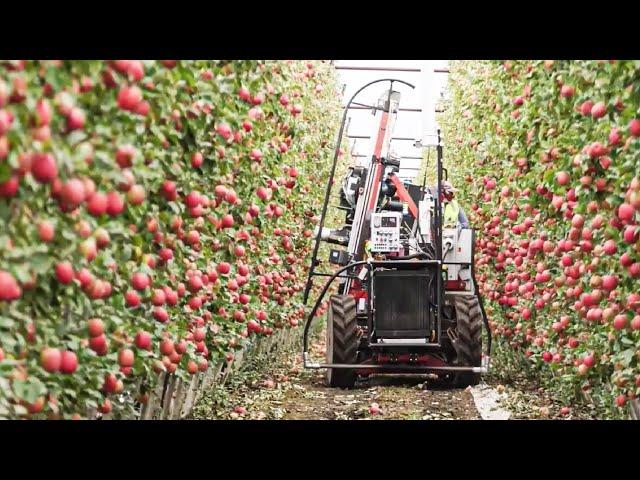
pixel 407 300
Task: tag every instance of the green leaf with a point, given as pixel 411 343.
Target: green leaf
pixel 6 323
pixel 126 253
pixel 5 214
pixel 627 341
pixel 22 273
pixel 137 240
pixel 71 392
pixel 41 263
pixel 29 389
pixel 174 207
pixel 627 356
pixel 5 172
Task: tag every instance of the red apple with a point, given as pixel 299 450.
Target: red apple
pixel 626 212
pixel 192 367
pixel 131 298
pixel 9 188
pixel 160 314
pixel 126 357
pixel 97 204
pixel 140 280
pixel 143 340
pixel 567 91
pixel 115 204
pixel 68 362
pixel 64 272
pixel 43 167
pixel 95 327
pixel 98 344
pixel 50 359
pixel 46 231
pixel 196 160
pixel 620 322
pixel 136 195
pixel 598 110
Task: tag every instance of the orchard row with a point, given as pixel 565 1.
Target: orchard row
pixel 155 216
pixel 550 151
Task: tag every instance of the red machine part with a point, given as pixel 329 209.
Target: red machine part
pixel 455 285
pixel 403 195
pixel 424 360
pixel 356 290
pixel 384 121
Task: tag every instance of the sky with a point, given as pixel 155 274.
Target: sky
pixel 415 125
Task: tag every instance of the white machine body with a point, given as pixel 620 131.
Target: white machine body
pixel 456 254
pixel 385 231
pixel 424 220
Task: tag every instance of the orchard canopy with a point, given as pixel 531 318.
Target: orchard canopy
pixel 547 154
pixel 154 217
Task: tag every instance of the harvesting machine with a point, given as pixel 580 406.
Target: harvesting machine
pixel 407 300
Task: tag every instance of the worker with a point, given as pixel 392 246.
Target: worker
pixel 453 213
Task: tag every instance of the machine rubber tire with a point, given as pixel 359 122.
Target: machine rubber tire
pixel 469 329
pixel 342 342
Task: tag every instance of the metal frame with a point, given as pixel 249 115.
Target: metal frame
pixel 378 69
pixel 402 368
pixel 314 262
pixel 371 265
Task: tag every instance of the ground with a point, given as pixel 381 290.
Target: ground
pixel 287 391
pixel 279 388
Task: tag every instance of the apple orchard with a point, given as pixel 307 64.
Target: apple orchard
pixel 548 157
pixel 155 217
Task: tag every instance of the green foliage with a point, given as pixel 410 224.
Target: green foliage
pixel 508 122
pixel 186 103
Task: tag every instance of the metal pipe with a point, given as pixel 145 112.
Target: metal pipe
pixel 305 334
pixel 378 69
pixel 401 158
pixel 339 276
pixel 365 107
pixel 356 366
pixel 392 138
pixel 439 236
pixel 485 319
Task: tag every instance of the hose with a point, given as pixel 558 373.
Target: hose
pixel 307 326
pixel 412 256
pixel 485 319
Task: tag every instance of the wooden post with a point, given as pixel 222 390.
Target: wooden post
pixel 168 398
pixel 188 403
pixel 153 404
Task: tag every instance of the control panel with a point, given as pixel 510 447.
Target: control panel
pixel 385 231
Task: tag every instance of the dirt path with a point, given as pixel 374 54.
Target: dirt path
pixel 279 388
pixel 287 391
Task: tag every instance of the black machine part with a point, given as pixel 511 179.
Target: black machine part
pixel 401 305
pixel 339 257
pixel 341 344
pixel 468 337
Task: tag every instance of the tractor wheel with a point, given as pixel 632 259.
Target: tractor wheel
pixel 469 342
pixel 342 343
